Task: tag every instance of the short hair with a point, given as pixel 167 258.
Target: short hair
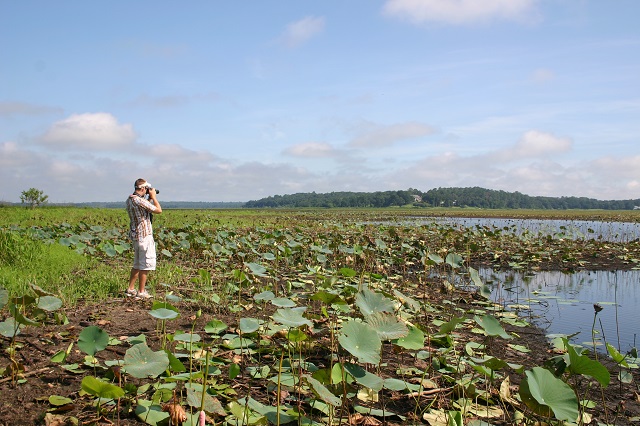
pixel 138 183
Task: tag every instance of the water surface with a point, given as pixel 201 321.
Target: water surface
pixel 562 303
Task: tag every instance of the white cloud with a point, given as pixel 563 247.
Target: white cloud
pixel 379 136
pixel 461 12
pixel 301 31
pixel 91 131
pixel 311 150
pixel 534 144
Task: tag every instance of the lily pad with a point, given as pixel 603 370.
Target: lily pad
pixel 100 389
pixel 291 317
pixel 544 393
pixel 141 362
pixel 92 340
pixel 362 341
pixel 370 302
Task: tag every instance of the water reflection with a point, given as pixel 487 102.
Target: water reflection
pixel 563 303
pixel 572 229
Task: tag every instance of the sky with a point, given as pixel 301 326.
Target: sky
pixel 236 101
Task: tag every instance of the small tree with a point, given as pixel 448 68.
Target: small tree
pixel 33 197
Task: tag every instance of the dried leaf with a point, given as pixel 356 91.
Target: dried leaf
pixel 53 420
pixel 177 415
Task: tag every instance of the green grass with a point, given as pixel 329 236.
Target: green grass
pixel 56 269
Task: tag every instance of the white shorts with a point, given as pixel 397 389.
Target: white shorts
pixel 144 254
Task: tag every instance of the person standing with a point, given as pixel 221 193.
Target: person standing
pixel 141 211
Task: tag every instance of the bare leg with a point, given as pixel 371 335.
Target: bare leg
pixel 142 280
pixel 133 277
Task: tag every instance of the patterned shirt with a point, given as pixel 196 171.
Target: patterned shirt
pixel 139 209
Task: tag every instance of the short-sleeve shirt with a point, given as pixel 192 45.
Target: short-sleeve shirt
pixel 139 209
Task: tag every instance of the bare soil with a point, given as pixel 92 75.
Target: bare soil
pixel 27 403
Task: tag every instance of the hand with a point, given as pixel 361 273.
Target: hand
pixel 151 192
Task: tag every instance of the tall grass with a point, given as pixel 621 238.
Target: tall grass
pixel 56 269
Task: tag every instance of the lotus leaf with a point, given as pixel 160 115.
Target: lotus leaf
pixel 544 393
pixel 363 377
pixel 322 392
pixel 387 326
pixel 100 389
pixel 370 302
pixel 10 328
pixel 361 341
pixel 291 317
pixel 257 269
pixel 215 327
pixel 187 337
pixel 92 340
pixel 412 341
pixel 283 302
pixel 212 405
pixel 49 303
pixel 141 362
pixel 582 364
pixel 164 314
pixel 492 326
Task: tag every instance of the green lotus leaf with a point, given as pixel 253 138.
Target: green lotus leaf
pixel 283 302
pixel 412 341
pixel 58 401
pixel 387 326
pixel 49 303
pixel 370 302
pixel 291 317
pixel 492 326
pixel 187 337
pixel 39 291
pixel 544 394
pixel 215 327
pixel 400 385
pixel 164 314
pixel 157 304
pixel 92 340
pixel 10 328
pixel 361 341
pixel 454 260
pixel 322 392
pixel 347 272
pixel 328 298
pixel 582 364
pixel 257 269
pixel 363 377
pixel 100 389
pixel 448 327
pixel 249 325
pixel 211 404
pixel 141 362
pixel 265 295
pixel 151 414
pixel 19 317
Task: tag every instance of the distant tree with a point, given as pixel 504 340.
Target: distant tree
pixel 33 197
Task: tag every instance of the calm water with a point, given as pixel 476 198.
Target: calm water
pixel 574 229
pixel 563 303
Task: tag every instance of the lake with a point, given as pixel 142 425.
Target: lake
pixel 573 229
pixel 562 303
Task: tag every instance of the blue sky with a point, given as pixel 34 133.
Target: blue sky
pixel 234 101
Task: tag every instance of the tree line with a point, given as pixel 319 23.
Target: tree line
pixel 475 197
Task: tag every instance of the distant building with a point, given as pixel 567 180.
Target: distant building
pixel 636 207
pixel 417 198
